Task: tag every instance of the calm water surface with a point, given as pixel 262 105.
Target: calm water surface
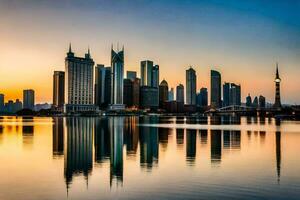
pixel 149 158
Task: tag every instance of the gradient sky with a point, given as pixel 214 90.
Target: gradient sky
pixel 241 39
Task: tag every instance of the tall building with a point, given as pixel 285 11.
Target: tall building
pixel 180 93
pixel 58 89
pixel 163 93
pixel 248 101
pixel 128 92
pixel 146 72
pixel 136 92
pixel 131 75
pixel 171 94
pixel 202 97
pixel 1 102
pixel 149 97
pixel 79 80
pixel 261 101
pixel 231 94
pixel 255 102
pixel 102 86
pixel 277 103
pixel 28 99
pixel 155 76
pixel 149 74
pixel 191 82
pixel 117 76
pixel 215 84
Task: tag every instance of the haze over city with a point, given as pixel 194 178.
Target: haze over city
pixel 242 40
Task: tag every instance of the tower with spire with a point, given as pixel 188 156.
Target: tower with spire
pixel 277 104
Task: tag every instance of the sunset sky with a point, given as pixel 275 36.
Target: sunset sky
pixel 241 39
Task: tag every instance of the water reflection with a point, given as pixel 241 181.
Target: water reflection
pixel 79 140
pixel 79 149
pixel 27 131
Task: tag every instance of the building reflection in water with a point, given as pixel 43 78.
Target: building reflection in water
pixel 131 135
pixel 148 144
pixel 58 137
pixel 215 146
pixel 232 140
pixel 102 140
pixel 278 150
pixel 179 137
pixel 203 136
pixel 27 131
pixel 79 149
pixel 163 137
pixel 116 128
pixel 190 145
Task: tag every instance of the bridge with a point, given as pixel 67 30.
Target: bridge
pixel 239 109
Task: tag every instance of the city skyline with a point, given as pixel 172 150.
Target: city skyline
pixel 241 40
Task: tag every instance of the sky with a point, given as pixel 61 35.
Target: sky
pixel 241 39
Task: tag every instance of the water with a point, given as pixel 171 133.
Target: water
pixel 149 158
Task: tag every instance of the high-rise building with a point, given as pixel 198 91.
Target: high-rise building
pixel 215 84
pixel 155 76
pixel 107 86
pixel 202 98
pixel 163 93
pixel 136 92
pixel 58 89
pixel 79 80
pixel 28 99
pixel 131 75
pixel 255 102
pixel 1 102
pixel 117 76
pixel 149 97
pixel 231 94
pixel 248 101
pixel 191 82
pixel 277 104
pixel 149 74
pixel 146 73
pixel 171 94
pixel 180 93
pixel 128 92
pixel 99 85
pixel 261 101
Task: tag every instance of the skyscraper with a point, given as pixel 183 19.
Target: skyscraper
pixel 163 93
pixel 231 94
pixel 128 92
pixel 277 104
pixel 117 76
pixel 99 85
pixel 1 102
pixel 79 75
pixel 215 84
pixel 58 89
pixel 149 97
pixel 136 92
pixel 131 75
pixel 107 86
pixel 180 93
pixel 191 82
pixel 261 101
pixel 171 94
pixel 248 101
pixel 28 99
pixel 202 98
pixel 146 73
pixel 155 76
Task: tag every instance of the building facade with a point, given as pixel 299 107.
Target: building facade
pixel 28 99
pixel 215 85
pixel 231 94
pixel 146 73
pixel 191 82
pixel 163 93
pixel 1 102
pixel 155 76
pixel 58 90
pixel 277 104
pixel 149 97
pixel 180 93
pixel 131 75
pixel 171 94
pixel 79 75
pixel 117 77
pixel 202 98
